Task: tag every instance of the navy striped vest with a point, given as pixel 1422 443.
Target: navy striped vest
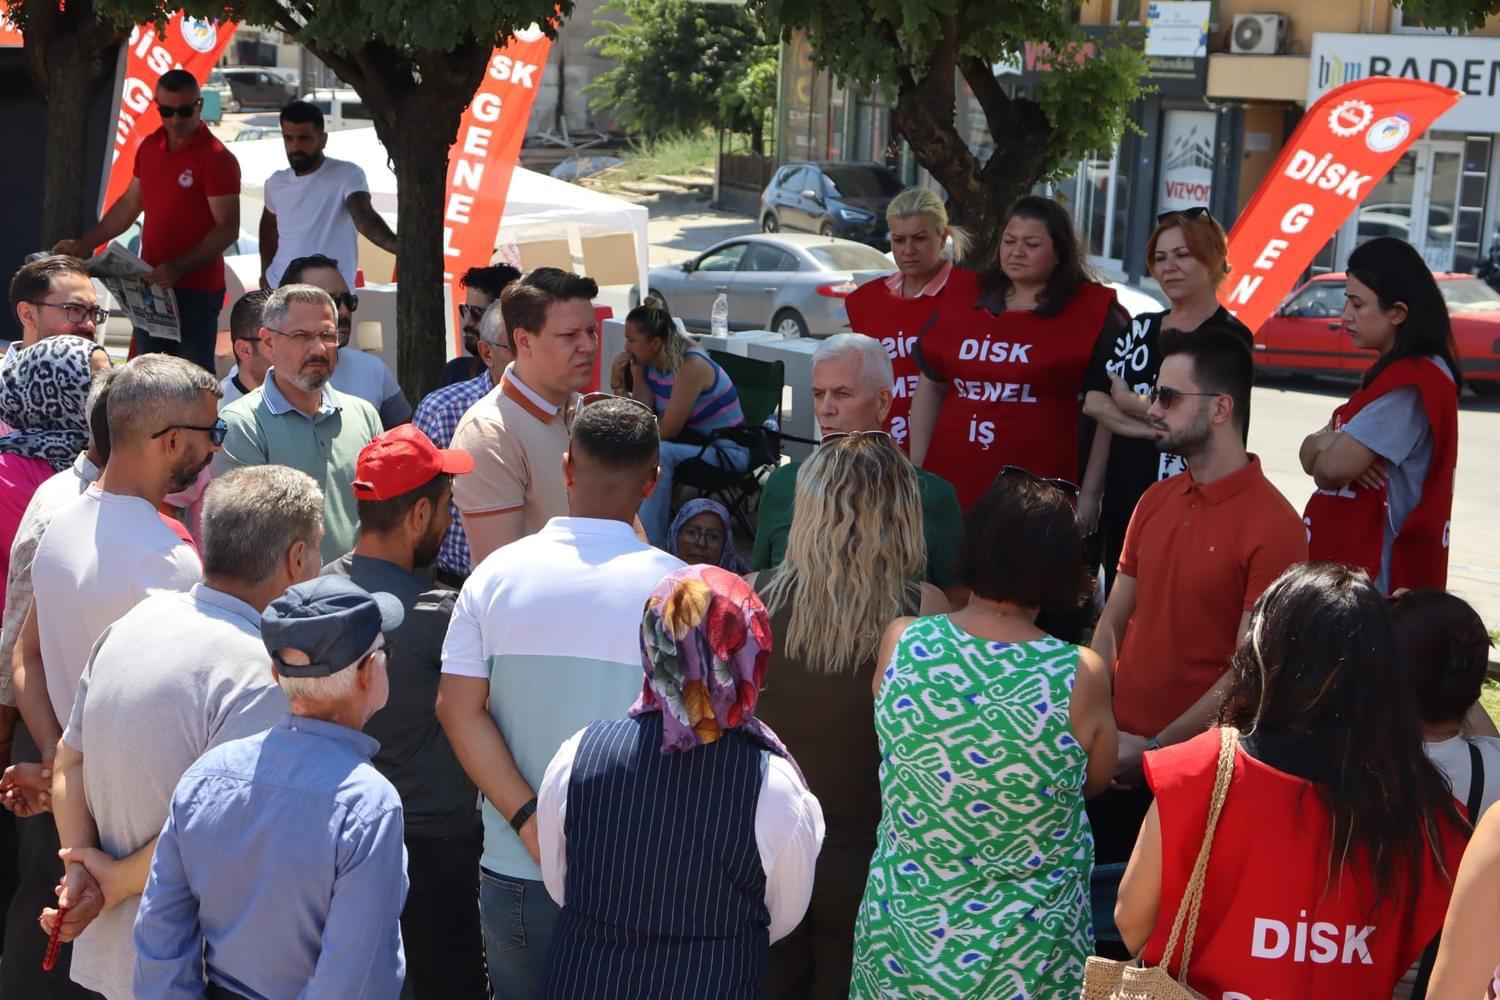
pixel 665 887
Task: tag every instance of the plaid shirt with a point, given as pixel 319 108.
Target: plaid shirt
pixel 437 416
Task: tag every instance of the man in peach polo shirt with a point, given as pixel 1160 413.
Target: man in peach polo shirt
pixel 519 431
pixel 1200 549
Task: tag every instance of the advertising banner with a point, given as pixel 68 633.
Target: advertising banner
pixel 1347 141
pixel 483 157
pixel 10 36
pixel 189 43
pixel 1186 178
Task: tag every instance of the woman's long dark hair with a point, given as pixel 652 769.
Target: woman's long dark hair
pixel 1320 661
pixel 1395 272
pixel 1072 268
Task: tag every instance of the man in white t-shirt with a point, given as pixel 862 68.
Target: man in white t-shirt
pixel 545 639
pixel 317 204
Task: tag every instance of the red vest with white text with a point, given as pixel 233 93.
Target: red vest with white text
pixel 1015 385
pixel 1267 929
pixel 1347 525
pixel 898 323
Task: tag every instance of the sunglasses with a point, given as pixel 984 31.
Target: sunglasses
pixel 590 398
pixel 475 313
pixel 216 434
pixel 1166 395
pixel 1195 212
pixel 1067 486
pixel 348 300
pixel 835 435
pixel 185 110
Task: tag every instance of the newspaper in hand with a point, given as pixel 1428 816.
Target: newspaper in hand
pixel 150 307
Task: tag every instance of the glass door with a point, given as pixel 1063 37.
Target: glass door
pixel 1437 208
pixel 1419 201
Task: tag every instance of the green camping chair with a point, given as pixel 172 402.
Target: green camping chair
pixel 759 385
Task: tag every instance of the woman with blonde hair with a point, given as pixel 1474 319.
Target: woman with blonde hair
pixel 853 565
pixel 900 308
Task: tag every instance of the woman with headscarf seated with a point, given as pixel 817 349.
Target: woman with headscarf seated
pixel 681 840
pixel 702 533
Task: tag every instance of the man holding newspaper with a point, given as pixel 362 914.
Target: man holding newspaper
pixel 188 185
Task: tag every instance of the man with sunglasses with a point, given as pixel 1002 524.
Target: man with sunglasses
pixel 1200 549
pixel 53 296
pixel 482 287
pixel 188 185
pixel 354 373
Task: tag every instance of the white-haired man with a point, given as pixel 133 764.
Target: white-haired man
pixel 280 871
pixel 852 387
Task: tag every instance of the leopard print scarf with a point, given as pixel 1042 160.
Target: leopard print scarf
pixel 43 392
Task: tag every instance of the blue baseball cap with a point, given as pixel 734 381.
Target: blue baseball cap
pixel 331 620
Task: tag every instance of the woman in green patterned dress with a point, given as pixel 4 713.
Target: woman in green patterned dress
pixel 991 734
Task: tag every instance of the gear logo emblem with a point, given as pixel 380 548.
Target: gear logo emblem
pixel 1349 118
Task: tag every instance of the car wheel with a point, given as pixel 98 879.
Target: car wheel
pixel 789 323
pixel 826 229
pixel 234 106
pixel 1488 390
pixel 769 223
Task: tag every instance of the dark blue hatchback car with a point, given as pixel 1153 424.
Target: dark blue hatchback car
pixel 833 198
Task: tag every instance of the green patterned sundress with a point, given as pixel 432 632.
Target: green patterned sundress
pixel 979 886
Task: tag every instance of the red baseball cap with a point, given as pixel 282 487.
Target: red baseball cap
pixel 402 459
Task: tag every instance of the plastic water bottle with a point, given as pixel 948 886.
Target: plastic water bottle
pixel 719 320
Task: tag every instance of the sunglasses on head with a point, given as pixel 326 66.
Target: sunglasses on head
pixel 1185 213
pixel 1067 486
pixel 1166 395
pixel 185 110
pixel 835 435
pixel 590 398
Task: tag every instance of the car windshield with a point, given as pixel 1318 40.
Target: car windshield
pixel 861 182
pixel 848 257
pixel 1469 295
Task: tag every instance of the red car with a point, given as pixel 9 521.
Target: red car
pixel 1307 333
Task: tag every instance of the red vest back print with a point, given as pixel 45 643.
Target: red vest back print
pixel 898 323
pixel 1347 525
pixel 1015 382
pixel 1268 929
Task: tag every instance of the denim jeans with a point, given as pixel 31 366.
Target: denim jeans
pixel 198 319
pixel 656 509
pixel 519 918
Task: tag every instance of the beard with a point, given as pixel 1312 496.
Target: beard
pixel 310 381
pixel 185 472
pixel 471 340
pixel 1189 441
pixel 301 162
pixel 426 552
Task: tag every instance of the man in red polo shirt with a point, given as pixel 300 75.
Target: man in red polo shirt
pixel 1200 549
pixel 188 185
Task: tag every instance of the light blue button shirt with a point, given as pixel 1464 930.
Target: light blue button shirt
pixel 280 872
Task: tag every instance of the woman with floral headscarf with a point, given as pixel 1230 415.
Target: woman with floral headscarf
pixel 681 840
pixel 43 390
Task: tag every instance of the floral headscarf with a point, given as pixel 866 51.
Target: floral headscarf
pixel 730 559
pixel 705 643
pixel 43 393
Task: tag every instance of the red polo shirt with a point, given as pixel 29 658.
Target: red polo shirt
pixel 1201 556
pixel 175 188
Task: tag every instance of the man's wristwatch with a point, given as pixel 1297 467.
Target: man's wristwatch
pixel 522 815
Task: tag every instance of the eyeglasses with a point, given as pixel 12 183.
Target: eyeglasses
pixel 835 435
pixel 701 536
pixel 1166 395
pixel 216 434
pixel 349 300
pixel 1185 213
pixel 1066 485
pixel 76 312
pixel 185 110
pixel 471 312
pixel 305 338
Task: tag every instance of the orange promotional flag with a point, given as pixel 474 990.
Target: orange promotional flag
pixel 1347 141
pixel 190 43
pixel 483 157
pixel 10 35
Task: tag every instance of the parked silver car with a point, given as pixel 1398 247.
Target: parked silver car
pixel 788 282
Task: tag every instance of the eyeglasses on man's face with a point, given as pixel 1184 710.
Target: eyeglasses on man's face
pixel 306 338
pixel 76 312
pixel 217 432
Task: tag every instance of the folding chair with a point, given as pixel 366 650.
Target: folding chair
pixel 759 385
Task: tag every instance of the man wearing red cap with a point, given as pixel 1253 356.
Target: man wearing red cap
pixel 403 484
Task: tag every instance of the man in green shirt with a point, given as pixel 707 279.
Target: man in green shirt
pixel 852 386
pixel 296 418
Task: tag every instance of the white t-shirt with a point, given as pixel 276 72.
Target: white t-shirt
pixel 1451 756
pixel 311 216
pixel 102 555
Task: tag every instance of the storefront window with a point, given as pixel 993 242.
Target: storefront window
pixel 1097 194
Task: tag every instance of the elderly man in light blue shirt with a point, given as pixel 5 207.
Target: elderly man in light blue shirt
pixel 281 870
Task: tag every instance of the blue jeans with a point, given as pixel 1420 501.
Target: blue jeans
pixel 198 319
pixel 657 508
pixel 518 918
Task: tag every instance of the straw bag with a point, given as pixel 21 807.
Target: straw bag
pixel 1104 979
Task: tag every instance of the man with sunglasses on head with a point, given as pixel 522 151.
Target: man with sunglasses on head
pixel 53 296
pixel 188 185
pixel 354 373
pixel 1200 549
pixel 296 417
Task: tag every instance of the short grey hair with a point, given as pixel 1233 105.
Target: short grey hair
pixel 323 690
pixel 153 391
pixel 99 390
pixel 253 515
pixel 874 362
pixel 273 314
pixel 492 326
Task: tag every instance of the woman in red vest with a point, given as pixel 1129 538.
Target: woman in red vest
pixel 901 308
pixel 1335 851
pixel 1002 371
pixel 1384 463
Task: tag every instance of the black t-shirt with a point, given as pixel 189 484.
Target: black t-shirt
pixel 460 369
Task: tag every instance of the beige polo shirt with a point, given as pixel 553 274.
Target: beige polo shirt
pixel 517 439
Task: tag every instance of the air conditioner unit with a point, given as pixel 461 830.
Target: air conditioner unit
pixel 1259 34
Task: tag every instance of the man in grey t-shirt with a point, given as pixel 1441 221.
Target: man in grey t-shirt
pixel 178 674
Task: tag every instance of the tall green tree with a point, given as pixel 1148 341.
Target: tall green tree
pixel 1457 15
pixel 682 65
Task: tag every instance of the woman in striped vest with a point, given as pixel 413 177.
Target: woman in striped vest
pixel 681 840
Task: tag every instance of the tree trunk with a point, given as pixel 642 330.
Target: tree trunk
pixel 420 156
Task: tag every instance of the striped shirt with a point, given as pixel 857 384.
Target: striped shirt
pixel 717 407
pixel 437 416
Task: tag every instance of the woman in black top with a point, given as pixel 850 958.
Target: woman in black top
pixel 1188 256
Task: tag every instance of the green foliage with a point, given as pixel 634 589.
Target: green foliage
pixel 1109 80
pixel 1459 15
pixel 748 95
pixel 680 64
